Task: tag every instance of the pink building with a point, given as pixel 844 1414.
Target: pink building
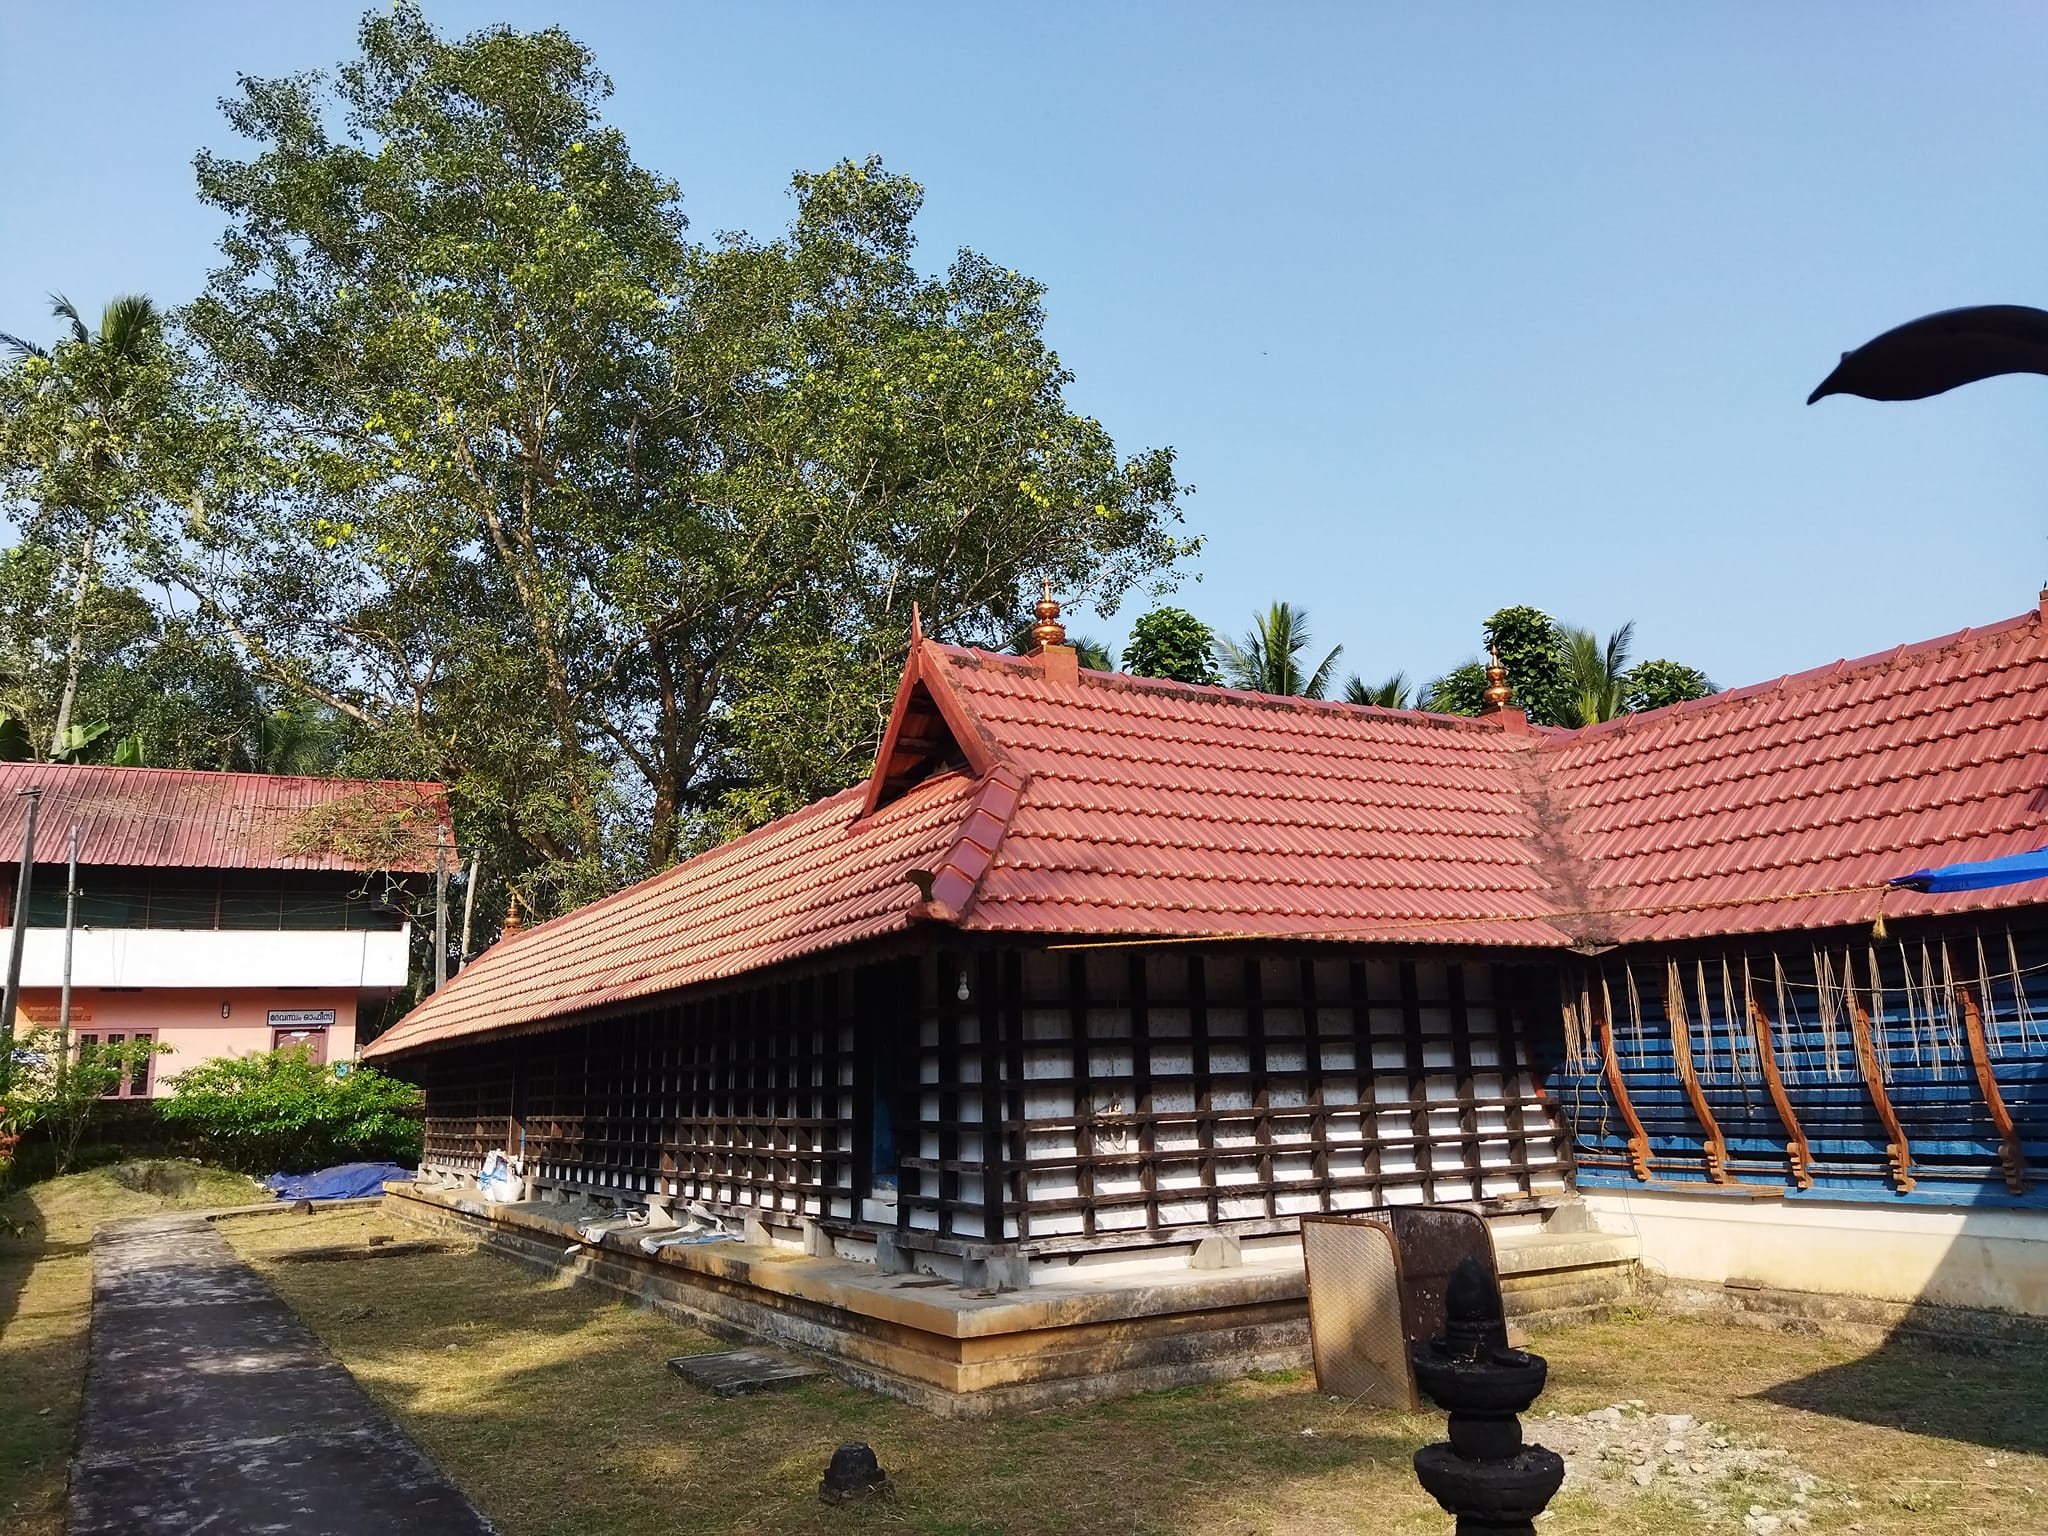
pixel 218 913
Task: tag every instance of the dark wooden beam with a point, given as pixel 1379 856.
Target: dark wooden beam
pixel 2009 1153
pixel 1617 1085
pixel 1797 1153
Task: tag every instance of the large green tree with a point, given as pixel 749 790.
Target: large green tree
pixel 1172 643
pixel 617 531
pixel 1562 675
pixel 89 427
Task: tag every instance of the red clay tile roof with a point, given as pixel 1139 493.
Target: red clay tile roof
pixel 1840 777
pixel 1112 805
pixel 808 882
pixel 1162 809
pixel 172 817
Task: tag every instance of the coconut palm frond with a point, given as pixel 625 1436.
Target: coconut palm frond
pixel 21 348
pixel 1394 693
pixel 1092 653
pixel 130 326
pixel 62 308
pixel 1318 685
pixel 1619 644
pixel 1267 660
pixel 1593 671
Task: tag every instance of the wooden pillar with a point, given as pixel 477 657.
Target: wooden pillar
pixel 1261 1079
pixel 1372 1155
pixel 1461 1079
pixel 1083 1088
pixel 1423 1150
pixel 1205 1098
pixel 1001 978
pixel 1312 1066
pixel 1141 1088
pixel 1797 1152
pixel 1017 1145
pixel 2009 1153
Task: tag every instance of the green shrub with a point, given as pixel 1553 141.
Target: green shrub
pixel 52 1091
pixel 279 1113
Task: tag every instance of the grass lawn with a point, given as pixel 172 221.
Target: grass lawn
pixel 553 1408
pixel 45 1303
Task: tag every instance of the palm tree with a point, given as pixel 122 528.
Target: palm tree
pixel 96 376
pixel 1392 694
pixel 1593 672
pixel 1267 659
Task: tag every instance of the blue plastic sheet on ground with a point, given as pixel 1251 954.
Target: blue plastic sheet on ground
pixel 350 1181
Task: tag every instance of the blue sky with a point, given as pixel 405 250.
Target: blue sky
pixel 1444 307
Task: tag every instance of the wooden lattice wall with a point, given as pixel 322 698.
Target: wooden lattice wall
pixel 742 1100
pixel 1141 1090
pixel 1054 1098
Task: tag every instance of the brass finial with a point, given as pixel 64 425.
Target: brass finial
pixel 513 925
pixel 1048 631
pixel 1498 694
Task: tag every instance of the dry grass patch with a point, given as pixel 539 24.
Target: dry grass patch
pixel 552 1407
pixel 45 1305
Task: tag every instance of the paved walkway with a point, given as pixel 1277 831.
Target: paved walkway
pixel 210 1407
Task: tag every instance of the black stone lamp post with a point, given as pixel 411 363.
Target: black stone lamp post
pixel 1483 1474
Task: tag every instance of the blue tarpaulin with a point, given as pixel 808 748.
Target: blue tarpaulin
pixel 1982 876
pixel 351 1181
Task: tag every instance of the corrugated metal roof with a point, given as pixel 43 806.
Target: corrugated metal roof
pixel 180 818
pixel 1109 806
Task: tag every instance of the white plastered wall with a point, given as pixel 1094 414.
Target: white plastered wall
pixel 1946 1256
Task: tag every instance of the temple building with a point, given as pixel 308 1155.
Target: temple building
pixel 1101 971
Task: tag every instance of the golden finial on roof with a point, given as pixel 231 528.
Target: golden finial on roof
pixel 1048 631
pixel 1498 694
pixel 512 923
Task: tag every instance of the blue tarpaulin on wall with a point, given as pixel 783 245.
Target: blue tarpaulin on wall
pixel 1981 876
pixel 350 1181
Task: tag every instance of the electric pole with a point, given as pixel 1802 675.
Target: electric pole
pixel 440 906
pixel 17 933
pixel 70 930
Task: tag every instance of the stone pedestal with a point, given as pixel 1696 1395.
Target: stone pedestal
pixel 1484 1474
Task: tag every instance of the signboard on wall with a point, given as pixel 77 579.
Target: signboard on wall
pixel 301 1018
pixel 51 1014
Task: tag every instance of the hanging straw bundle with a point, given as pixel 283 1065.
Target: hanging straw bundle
pixel 1880 1034
pixel 1575 1025
pixel 2022 1015
pixel 1790 1064
pixel 1830 1013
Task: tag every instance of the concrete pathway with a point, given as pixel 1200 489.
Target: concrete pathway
pixel 210 1407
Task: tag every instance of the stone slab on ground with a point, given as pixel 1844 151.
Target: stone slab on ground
pixel 734 1372
pixel 210 1407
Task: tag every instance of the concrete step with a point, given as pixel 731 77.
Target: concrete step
pixel 1542 1252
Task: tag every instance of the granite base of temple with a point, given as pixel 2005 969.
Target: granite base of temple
pixel 1074 1332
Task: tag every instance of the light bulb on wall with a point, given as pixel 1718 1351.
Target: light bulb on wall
pixel 223 1007
pixel 961 991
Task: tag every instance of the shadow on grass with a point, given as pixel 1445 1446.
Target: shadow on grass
pixel 1997 1402
pixel 38 1417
